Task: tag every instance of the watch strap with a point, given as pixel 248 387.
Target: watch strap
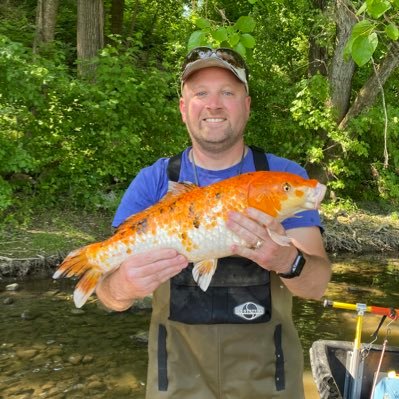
pixel 296 268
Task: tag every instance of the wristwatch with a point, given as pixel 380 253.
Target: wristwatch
pixel 296 267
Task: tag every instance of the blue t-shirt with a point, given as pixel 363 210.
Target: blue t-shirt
pixel 151 184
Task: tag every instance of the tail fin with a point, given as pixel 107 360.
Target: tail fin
pixel 77 264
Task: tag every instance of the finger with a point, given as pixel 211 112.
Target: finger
pixel 247 229
pixel 265 220
pixel 149 257
pixel 246 252
pixel 169 265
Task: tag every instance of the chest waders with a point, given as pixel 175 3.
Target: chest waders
pixel 234 341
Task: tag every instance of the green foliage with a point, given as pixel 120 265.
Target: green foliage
pixel 77 140
pixel 224 34
pixel 379 18
pixel 66 140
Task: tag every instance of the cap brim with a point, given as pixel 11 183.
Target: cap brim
pixel 213 62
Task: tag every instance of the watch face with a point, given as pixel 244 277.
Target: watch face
pixel 296 267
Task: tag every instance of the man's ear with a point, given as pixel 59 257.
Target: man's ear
pixel 182 107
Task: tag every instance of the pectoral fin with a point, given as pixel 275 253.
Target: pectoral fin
pixel 203 272
pixel 279 239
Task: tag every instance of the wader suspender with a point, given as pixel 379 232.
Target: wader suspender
pixel 174 165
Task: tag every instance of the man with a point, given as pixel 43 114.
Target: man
pixel 236 340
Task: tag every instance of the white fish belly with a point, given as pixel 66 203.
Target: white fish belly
pixel 196 244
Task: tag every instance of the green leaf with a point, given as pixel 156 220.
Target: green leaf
pixel 363 48
pixel 196 39
pixel 376 8
pixel 392 31
pixel 395 3
pixel 234 39
pixel 220 34
pixel 348 49
pixel 362 9
pixel 247 40
pixel 364 27
pixel 252 1
pixel 202 23
pixel 245 24
pixel 240 49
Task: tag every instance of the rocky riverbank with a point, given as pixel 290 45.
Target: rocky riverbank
pixel 355 232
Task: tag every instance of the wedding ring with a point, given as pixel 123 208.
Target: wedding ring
pixel 258 244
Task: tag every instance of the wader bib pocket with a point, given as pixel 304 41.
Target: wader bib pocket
pixel 239 293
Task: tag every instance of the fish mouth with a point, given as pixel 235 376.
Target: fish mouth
pixel 317 196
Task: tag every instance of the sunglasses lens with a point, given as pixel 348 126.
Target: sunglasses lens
pixel 198 53
pixel 231 57
pixel 225 54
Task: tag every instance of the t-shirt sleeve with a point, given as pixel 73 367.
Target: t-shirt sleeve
pixel 146 189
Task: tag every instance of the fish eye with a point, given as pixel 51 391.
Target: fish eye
pixel 286 187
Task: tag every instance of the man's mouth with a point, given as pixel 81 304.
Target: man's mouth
pixel 214 120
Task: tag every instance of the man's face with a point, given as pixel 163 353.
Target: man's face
pixel 215 108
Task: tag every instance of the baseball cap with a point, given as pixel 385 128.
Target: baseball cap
pixel 205 57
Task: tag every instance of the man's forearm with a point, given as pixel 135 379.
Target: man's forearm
pixel 312 282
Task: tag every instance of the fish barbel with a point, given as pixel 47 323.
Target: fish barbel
pixel 192 220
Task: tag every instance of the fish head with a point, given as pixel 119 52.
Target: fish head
pixel 282 194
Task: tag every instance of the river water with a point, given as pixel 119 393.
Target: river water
pixel 50 349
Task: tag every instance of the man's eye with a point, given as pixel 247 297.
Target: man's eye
pixel 200 93
pixel 227 93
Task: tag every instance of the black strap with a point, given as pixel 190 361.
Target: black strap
pixel 174 165
pixel 162 359
pixel 280 374
pixel 260 159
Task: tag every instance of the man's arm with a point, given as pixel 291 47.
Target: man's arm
pixel 316 273
pixel 138 276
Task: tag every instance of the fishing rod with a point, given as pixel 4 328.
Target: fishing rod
pixel 353 381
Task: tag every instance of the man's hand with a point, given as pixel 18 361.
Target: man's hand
pixel 255 228
pixel 138 276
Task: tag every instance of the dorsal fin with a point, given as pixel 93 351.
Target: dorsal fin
pixel 175 188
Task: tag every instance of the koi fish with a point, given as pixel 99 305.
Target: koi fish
pixel 192 220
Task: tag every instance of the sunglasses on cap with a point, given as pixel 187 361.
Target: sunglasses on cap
pixel 226 54
pixel 203 57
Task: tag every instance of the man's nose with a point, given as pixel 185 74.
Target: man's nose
pixel 214 101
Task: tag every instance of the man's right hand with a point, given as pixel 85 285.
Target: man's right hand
pixel 139 275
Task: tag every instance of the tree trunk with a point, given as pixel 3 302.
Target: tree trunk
pixel 46 17
pixel 90 35
pixel 341 71
pixel 317 54
pixel 134 18
pixel 372 87
pixel 117 9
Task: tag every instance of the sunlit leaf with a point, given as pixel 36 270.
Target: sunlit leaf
pixel 376 8
pixel 220 34
pixel 362 28
pixel 234 39
pixel 392 31
pixel 202 23
pixel 196 39
pixel 363 48
pixel 247 40
pixel 362 9
pixel 245 24
pixel 240 49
